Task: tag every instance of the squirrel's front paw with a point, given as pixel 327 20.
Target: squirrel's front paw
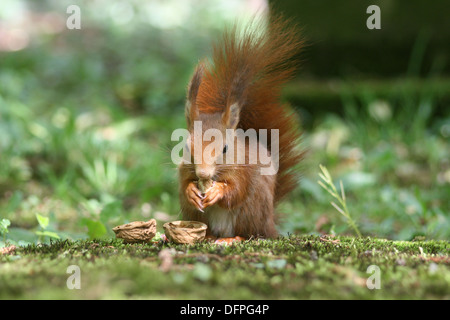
pixel 194 196
pixel 214 194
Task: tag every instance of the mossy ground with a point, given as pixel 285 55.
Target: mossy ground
pixel 294 267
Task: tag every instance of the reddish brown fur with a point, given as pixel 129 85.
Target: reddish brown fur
pixel 248 67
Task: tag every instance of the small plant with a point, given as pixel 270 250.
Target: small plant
pixel 328 185
pixel 43 222
pixel 4 224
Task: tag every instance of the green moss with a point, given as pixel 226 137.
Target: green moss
pixel 295 267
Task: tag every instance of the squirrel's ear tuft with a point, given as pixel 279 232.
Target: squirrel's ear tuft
pixel 195 82
pixel 191 111
pixel 231 116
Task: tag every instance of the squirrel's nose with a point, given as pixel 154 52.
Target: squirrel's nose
pixel 203 173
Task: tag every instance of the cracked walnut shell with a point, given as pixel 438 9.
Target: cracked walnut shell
pixel 137 231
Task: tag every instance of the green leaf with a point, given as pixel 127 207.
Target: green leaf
pixel 43 221
pixel 48 234
pixel 111 211
pixel 96 229
pixel 4 224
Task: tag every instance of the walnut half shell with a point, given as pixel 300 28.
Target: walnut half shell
pixel 137 231
pixel 185 232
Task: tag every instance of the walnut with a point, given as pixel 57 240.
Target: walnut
pixel 204 185
pixel 137 231
pixel 186 232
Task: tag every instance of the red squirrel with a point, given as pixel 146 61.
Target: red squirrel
pixel 239 88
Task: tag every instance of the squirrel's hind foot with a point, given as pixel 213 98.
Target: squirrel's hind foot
pixel 224 241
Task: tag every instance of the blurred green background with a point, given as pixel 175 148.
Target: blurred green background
pixel 86 115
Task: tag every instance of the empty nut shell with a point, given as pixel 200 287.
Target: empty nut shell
pixel 137 231
pixel 185 232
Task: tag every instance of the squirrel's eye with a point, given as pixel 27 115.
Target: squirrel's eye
pixel 225 148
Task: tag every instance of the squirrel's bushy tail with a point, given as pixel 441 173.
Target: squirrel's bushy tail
pixel 249 65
